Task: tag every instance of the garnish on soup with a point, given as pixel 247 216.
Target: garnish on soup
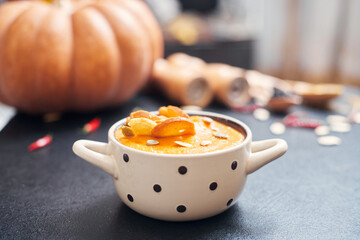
pixel 175 132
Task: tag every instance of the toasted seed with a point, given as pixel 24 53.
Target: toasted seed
pixel 152 142
pixel 336 119
pixel 216 129
pixel 322 130
pixel 261 114
pixel 183 144
pixel 142 126
pixel 127 131
pixel 341 127
pixel 221 135
pixel 329 140
pixel 277 128
pixel 205 143
pixel 207 120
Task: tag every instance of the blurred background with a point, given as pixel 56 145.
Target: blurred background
pixel 302 40
pixel 315 41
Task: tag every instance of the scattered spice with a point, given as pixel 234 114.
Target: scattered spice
pixel 92 126
pixel 40 143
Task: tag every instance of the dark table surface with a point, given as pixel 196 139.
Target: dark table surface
pixel 312 192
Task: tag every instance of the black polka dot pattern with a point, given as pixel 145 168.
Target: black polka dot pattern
pixel 126 157
pixel 181 208
pixel 234 165
pixel 182 170
pixel 157 188
pixel 213 186
pixel 131 199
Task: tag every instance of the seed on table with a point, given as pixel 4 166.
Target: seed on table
pixel 205 143
pixel 261 114
pixel 221 135
pixel 152 142
pixel 277 128
pixel 336 119
pixel 183 144
pixel 357 118
pixel 322 130
pixel 341 127
pixel 329 140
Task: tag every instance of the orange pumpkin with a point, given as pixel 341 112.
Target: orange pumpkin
pixel 84 56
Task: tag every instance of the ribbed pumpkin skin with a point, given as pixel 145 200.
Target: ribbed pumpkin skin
pixel 98 55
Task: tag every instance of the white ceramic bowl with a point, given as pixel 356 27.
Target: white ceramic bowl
pixel 178 187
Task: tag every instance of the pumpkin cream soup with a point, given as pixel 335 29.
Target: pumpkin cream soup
pixel 174 132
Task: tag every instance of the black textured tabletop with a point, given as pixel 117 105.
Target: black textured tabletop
pixel 312 192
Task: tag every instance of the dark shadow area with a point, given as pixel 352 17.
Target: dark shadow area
pixel 109 218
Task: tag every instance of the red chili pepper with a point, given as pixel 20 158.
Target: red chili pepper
pixel 40 143
pixel 92 126
pixel 293 120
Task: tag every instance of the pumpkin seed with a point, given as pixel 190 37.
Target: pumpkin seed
pixel 261 114
pixel 329 140
pixel 341 127
pixel 205 143
pixel 216 129
pixel 332 119
pixel 152 142
pixel 207 120
pixel 127 131
pixel 277 128
pixel 221 135
pixel 183 144
pixel 357 118
pixel 322 130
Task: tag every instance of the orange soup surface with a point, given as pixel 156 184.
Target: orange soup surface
pixel 209 137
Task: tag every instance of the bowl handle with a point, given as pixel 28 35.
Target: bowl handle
pixel 95 153
pixel 263 152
